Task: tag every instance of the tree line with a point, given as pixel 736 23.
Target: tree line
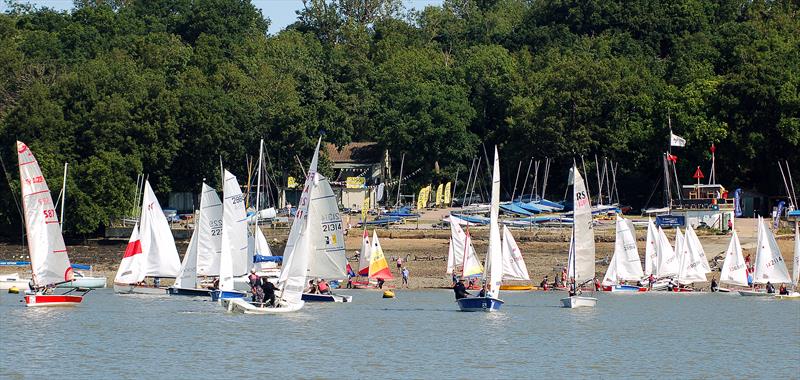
pixel 169 88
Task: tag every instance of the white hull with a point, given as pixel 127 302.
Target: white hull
pixel 22 284
pixel 139 289
pixel 790 296
pixel 578 301
pixel 85 282
pixel 755 293
pixel 240 305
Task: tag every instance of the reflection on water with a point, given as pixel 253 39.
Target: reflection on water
pixel 419 334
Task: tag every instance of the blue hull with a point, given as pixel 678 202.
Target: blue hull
pixel 188 292
pixel 479 304
pixel 216 295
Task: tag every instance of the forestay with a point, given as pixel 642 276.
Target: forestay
pixel 734 268
pixel 49 261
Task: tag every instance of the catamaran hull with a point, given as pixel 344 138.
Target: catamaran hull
pixel 578 301
pixel 217 295
pixel 139 289
pixel 39 300
pixel 189 292
pixel 755 293
pixel 308 297
pixel 85 282
pixel 479 304
pixel 240 305
pixel 624 288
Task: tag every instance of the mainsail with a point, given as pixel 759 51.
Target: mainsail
pixel 209 230
pixel 328 258
pixel 49 261
pixel 734 268
pixel 471 265
pixel 625 264
pixel 583 269
pixel 378 267
pixel 668 264
pixel 234 226
pixel 514 267
pixel 455 251
pixel 365 255
pixel 158 245
pixel 494 256
pixel 651 250
pixel 131 269
pixel 770 266
pixel 691 269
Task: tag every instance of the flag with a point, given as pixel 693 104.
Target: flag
pixel 698 174
pixel 379 193
pixel 672 158
pixel 364 208
pixel 439 190
pixel 676 140
pixel 713 148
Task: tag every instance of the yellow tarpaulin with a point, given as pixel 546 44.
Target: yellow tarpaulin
pixel 291 183
pixel 356 182
pixel 439 195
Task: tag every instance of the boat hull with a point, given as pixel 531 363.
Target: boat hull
pixel 139 289
pixel 790 296
pixel 240 305
pixel 479 304
pixel 217 295
pixel 755 293
pixel 41 300
pixel 308 297
pixel 624 288
pixel 189 292
pixel 516 287
pixel 19 284
pixel 578 301
pixel 85 282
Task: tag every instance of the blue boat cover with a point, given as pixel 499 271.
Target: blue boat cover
pixel 267 259
pixel 514 209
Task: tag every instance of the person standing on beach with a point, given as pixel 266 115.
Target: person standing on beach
pixel 399 262
pixel 405 276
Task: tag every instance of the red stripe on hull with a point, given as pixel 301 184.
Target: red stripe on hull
pixel 52 300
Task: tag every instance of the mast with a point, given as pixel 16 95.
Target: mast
pixel 516 178
pixel 400 180
pixel 63 196
pixel 466 187
pixel 525 183
pixel 258 186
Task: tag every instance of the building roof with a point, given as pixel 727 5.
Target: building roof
pixel 356 152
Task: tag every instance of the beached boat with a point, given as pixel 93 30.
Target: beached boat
pixel 493 275
pixel 513 287
pixel 692 258
pixel 794 294
pixel 150 251
pixel 769 266
pixel 625 264
pixel 203 253
pixel 233 261
pixel 514 268
pixel 581 265
pixel 734 268
pixel 50 264
pixel 297 254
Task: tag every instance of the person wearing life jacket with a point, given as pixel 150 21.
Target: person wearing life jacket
pixel 268 289
pixel 460 290
pixel 783 291
pixel 714 285
pixel 323 287
pixel 770 288
pixel 544 285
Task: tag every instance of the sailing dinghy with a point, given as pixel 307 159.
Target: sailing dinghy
pixel 514 267
pixel 493 275
pixel 625 264
pixel 734 268
pixel 770 266
pixel 581 253
pixel 50 264
pixel 794 294
pixel 297 254
pixel 202 256
pixel 150 252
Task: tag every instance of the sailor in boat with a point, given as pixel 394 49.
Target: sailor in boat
pixel 323 287
pixel 783 290
pixel 312 288
pixel 380 283
pixel 544 284
pixel 714 285
pixel 770 288
pixel 255 286
pixel 268 289
pixel 460 290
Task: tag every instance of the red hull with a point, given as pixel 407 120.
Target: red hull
pixel 52 300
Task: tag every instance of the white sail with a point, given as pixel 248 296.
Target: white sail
pixel 234 226
pixel 364 255
pixel 131 268
pixel 734 269
pixel 261 248
pixel 770 266
pixel 158 244
pixel 209 228
pixel 225 265
pixel 796 260
pixel 583 231
pixel 625 264
pixel 493 276
pixel 691 269
pixel 514 267
pixel 297 254
pixel 49 261
pixel 651 250
pixel 328 258
pixel 668 263
pixel 698 251
pixel 472 266
pixel 455 253
pixel 187 276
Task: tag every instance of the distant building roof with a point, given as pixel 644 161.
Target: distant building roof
pixel 354 153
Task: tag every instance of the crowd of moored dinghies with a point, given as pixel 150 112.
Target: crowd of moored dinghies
pixel 229 261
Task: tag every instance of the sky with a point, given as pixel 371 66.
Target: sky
pixel 280 12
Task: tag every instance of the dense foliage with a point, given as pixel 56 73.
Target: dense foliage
pixel 169 87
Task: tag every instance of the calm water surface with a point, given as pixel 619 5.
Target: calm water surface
pixel 417 335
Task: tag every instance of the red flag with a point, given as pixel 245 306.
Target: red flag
pixel 713 148
pixel 672 158
pixel 698 174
